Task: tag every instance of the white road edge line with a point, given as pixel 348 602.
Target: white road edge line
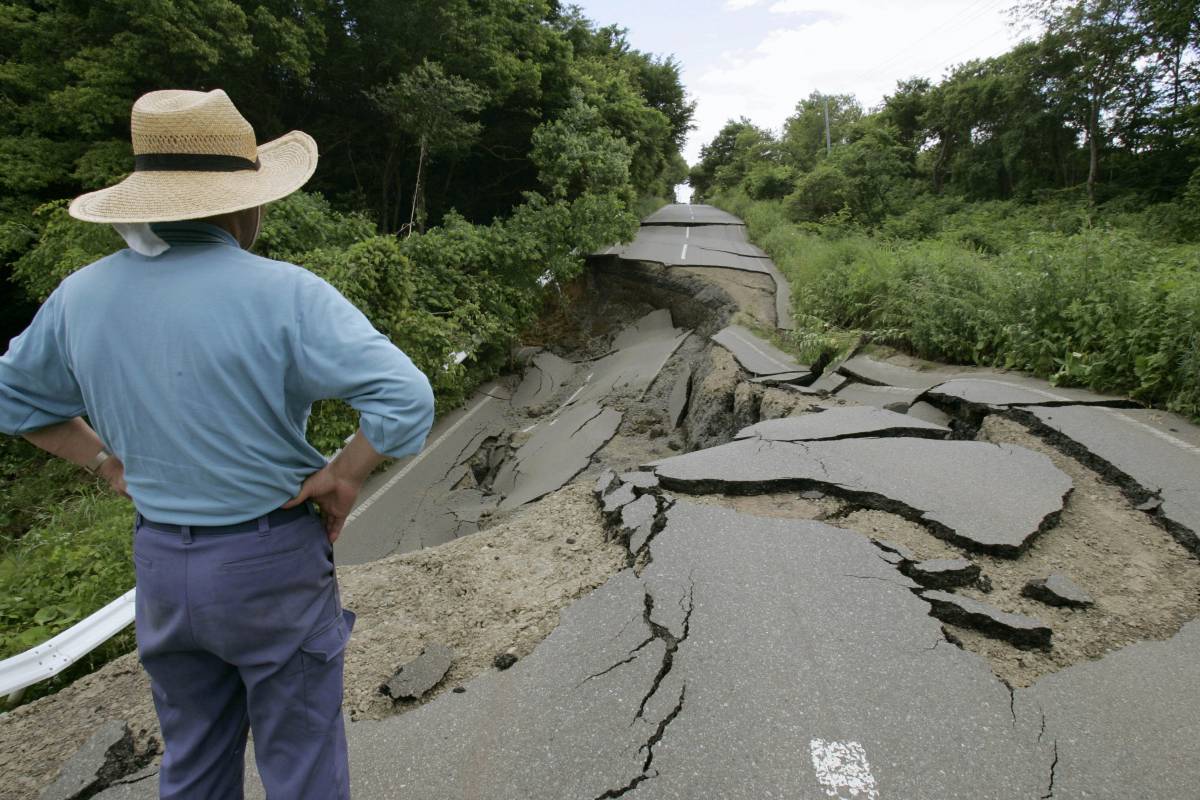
pixel 765 355
pixel 370 501
pixel 683 255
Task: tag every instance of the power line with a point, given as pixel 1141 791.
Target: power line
pixel 959 54
pixel 962 17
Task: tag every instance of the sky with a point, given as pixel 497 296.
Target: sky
pixel 757 58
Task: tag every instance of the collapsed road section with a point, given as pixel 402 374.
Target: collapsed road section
pixel 863 580
pixel 508 448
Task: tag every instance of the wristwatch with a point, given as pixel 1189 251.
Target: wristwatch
pixel 93 465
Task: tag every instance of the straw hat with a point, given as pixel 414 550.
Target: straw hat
pixel 195 156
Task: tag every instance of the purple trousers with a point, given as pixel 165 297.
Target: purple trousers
pixel 240 632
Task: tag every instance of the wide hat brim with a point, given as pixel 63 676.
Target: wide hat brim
pixel 285 164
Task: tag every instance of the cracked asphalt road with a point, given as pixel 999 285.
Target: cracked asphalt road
pixel 740 656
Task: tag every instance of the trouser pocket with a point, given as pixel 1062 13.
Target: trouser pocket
pixel 322 656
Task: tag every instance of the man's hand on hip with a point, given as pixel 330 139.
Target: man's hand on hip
pixel 335 487
pixel 113 471
pixel 334 494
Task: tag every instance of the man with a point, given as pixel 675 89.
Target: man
pixel 198 363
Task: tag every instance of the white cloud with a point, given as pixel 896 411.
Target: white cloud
pixel 738 5
pixel 860 47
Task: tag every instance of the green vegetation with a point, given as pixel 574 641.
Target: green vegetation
pixel 1039 210
pixel 472 153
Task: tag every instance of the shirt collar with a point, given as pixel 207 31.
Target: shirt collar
pixel 191 232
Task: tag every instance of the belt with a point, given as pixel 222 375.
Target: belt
pixel 280 516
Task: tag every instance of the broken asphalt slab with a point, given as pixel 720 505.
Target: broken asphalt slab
pixel 755 355
pixel 546 374
pixel 1014 390
pixel 406 507
pixel 1057 590
pixel 985 497
pixel 558 450
pixel 630 370
pixel 1148 453
pixel 1123 726
pixel 865 369
pixel 105 757
pixel 891 398
pixel 1018 629
pixel 941 573
pixel 842 423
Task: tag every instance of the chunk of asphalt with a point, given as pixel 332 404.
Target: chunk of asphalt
pixel 985 497
pixel 1057 590
pixel 639 537
pixel 1123 726
pixel 829 382
pixel 798 378
pixel 891 398
pixel 641 480
pixel 677 403
pixel 657 323
pixel 842 423
pixel 617 499
pixel 1025 632
pixel 636 514
pixel 418 676
pixel 942 573
pixel 899 549
pixel 105 756
pixel 1014 390
pixel 929 413
pixel 1149 454
pixel 865 369
pixel 558 450
pixel 545 375
pixel 605 483
pixel 755 355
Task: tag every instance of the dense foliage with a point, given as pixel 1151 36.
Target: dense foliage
pixel 1038 210
pixel 1031 288
pixel 472 152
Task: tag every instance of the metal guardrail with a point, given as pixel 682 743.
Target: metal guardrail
pixel 56 654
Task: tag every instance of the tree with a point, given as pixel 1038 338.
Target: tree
pixel 433 107
pixel 803 141
pixel 727 158
pixel 1101 41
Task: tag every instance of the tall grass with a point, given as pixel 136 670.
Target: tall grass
pixel 1101 307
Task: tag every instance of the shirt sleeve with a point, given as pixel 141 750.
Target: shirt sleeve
pixel 342 356
pixel 37 387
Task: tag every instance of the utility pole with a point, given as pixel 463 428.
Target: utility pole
pixel 828 142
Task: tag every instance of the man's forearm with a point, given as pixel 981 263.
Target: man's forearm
pixel 73 440
pixel 357 459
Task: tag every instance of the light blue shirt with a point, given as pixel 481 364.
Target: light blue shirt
pixel 199 367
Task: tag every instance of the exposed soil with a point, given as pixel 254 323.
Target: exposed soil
pixel 754 292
